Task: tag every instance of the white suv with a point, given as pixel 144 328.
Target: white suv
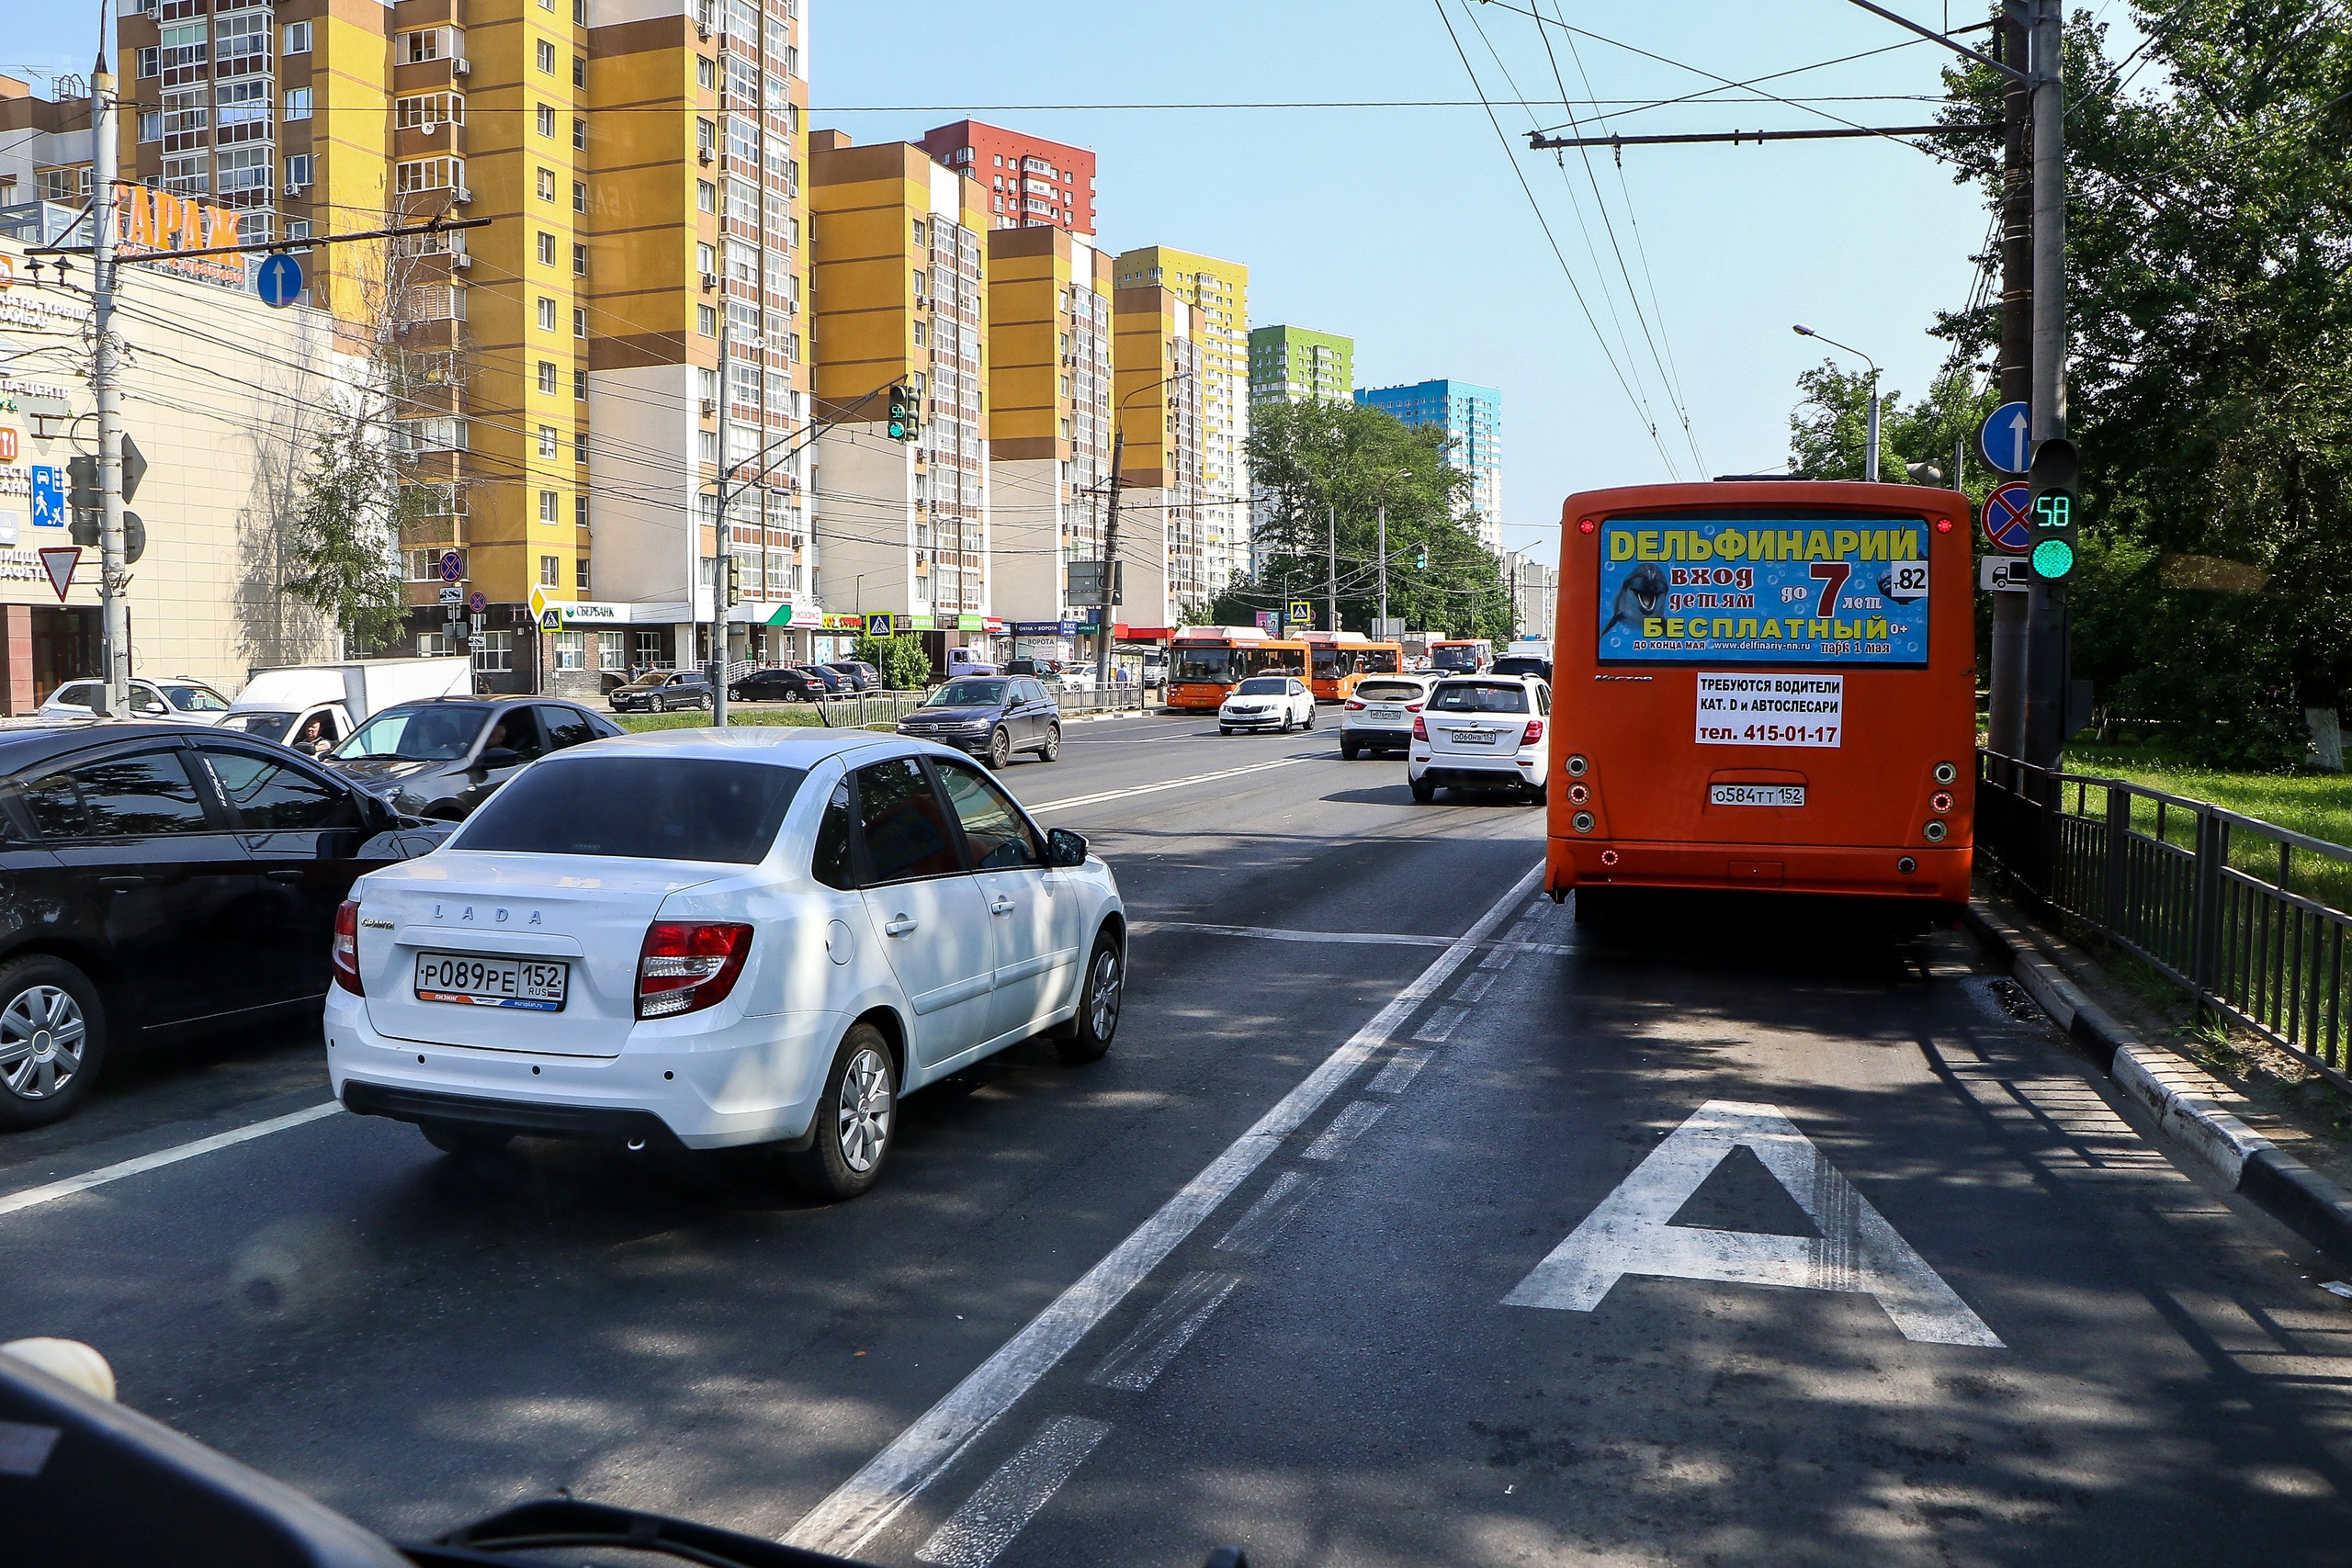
pixel 1379 715
pixel 1481 732
pixel 708 938
pixel 180 699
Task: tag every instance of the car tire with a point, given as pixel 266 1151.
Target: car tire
pixel 1536 794
pixel 1423 791
pixel 1225 730
pixel 1311 718
pixel 708 703
pixel 1052 749
pixel 856 1119
pixel 1000 751
pixel 465 1139
pixel 1286 722
pixel 1086 1037
pixel 1347 750
pixel 43 1079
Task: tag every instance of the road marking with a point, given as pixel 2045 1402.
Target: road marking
pixel 1858 1251
pixel 1345 1129
pixel 1440 1024
pixel 870 1499
pixel 1164 783
pixel 11 1202
pixel 991 1516
pixel 1408 1061
pixel 1256 1230
pixel 1373 938
pixel 1475 987
pixel 1145 1354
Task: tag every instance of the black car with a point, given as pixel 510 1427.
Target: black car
pixel 776 686
pixel 991 716
pixel 1523 664
pixel 861 677
pixel 833 681
pixel 658 691
pixel 442 757
pixel 160 880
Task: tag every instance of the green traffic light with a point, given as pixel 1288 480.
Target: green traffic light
pixel 2052 559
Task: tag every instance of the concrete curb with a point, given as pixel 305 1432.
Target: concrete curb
pixel 2174 1092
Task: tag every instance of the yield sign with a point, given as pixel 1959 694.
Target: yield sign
pixel 59 561
pixel 2008 516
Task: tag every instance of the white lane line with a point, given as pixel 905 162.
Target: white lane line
pixel 1145 1354
pixel 1441 1023
pixel 1344 1130
pixel 1006 1501
pixel 1392 1078
pixel 871 1498
pixel 1164 783
pixel 1502 956
pixel 1373 938
pixel 1475 987
pixel 1256 1230
pixel 13 1202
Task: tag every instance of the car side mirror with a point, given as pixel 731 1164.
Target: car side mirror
pixel 1065 848
pixel 498 757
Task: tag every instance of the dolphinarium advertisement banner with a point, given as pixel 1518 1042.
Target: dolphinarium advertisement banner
pixel 1841 590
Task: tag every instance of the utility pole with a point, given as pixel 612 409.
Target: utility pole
pixel 1383 556
pixel 1110 557
pixel 106 385
pixel 719 543
pixel 2045 662
pixel 2005 724
pixel 1331 566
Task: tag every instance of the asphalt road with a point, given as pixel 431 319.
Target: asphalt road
pixel 1412 1249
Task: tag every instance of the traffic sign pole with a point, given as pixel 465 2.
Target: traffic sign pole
pixel 106 387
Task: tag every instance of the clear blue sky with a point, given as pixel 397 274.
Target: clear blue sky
pixel 1407 227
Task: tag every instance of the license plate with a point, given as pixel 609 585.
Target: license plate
pixel 535 985
pixel 1471 736
pixel 1756 795
pixel 1384 713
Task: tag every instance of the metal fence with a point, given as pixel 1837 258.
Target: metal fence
pixel 2232 910
pixel 855 709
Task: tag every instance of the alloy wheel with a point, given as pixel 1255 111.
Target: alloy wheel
pixel 866 1106
pixel 1105 1015
pixel 41 1034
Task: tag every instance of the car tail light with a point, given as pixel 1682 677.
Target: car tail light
pixel 1412 707
pixel 687 965
pixel 1355 704
pixel 1534 732
pixel 1420 730
pixel 346 946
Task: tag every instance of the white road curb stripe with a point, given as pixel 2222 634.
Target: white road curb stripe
pixel 13 1202
pixel 869 1500
pixel 1164 783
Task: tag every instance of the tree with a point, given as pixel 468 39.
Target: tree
pixel 1325 470
pixel 1829 434
pixel 346 545
pixel 905 666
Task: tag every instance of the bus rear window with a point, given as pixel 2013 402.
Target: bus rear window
pixel 1716 588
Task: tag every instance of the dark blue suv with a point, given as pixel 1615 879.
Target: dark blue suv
pixel 991 716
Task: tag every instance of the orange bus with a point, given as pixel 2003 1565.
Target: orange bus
pixel 1337 661
pixel 1754 686
pixel 1461 656
pixel 1205 663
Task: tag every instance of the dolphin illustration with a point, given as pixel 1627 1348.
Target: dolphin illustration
pixel 1640 595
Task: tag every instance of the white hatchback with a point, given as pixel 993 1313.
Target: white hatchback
pixel 1267 702
pixel 710 938
pixel 1481 732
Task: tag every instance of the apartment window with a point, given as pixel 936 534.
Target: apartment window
pixel 918 235
pixel 547 185
pixel 579 195
pixel 1000 160
pixel 245 169
pixel 578 72
pixel 550 567
pixel 570 647
pixel 547 319
pixel 244 103
pixel 704 75
pixel 427 111
pixel 298 172
pixel 297 38
pixel 241 44
pixel 580 320
pixel 298 229
pixel 151 125
pixel 705 198
pixel 578 261
pixel 546 248
pixel 439 433
pixel 150 61
pixel 705 321
pixel 494 652
pixel 580 512
pixel 609 652
pixel 706 258
pixel 297 103
pixel 580 135
pixel 547 57
pixel 547 375
pixel 547 441
pixel 580 454
pixel 427 43
pixel 428 174
pixel 547 120
pixel 580 385
pixel 184 46
pixel 548 511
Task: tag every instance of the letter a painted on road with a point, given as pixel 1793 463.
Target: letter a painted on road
pixel 1857 1250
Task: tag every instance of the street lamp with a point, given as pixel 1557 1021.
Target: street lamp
pixel 1111 524
pixel 1870 458
pixel 1392 479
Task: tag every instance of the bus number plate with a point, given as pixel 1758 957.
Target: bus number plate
pixel 1756 795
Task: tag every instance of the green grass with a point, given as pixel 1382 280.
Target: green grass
pixel 2316 803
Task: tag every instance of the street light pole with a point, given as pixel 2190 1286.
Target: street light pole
pixel 105 385
pixel 2045 631
pixel 1870 457
pixel 1111 523
pixel 1392 479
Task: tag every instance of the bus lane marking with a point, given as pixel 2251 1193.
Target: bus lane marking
pixel 1008 1500
pixel 1857 1251
pixel 1345 1128
pixel 1170 1327
pixel 1255 1231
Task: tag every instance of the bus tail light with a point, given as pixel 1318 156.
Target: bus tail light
pixel 1579 794
pixel 1943 525
pixel 1534 732
pixel 1609 857
pixel 1420 729
pixel 1581 821
pixel 1940 802
pixel 1934 832
pixel 1578 766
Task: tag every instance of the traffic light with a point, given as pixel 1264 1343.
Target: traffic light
pixel 2057 467
pixel 734 580
pixel 906 414
pixel 1421 557
pixel 82 474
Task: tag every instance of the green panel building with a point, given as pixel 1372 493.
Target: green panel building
pixel 1290 365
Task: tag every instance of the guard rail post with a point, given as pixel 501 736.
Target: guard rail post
pixel 2205 906
pixel 2119 835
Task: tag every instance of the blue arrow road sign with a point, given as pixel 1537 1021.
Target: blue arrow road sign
pixel 278 281
pixel 2004 440
pixel 49 496
pixel 2008 516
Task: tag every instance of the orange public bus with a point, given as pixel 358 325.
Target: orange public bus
pixel 1205 663
pixel 1764 684
pixel 1337 661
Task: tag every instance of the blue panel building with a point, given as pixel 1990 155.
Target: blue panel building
pixel 1472 417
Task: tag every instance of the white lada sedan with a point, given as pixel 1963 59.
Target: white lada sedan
pixel 710 938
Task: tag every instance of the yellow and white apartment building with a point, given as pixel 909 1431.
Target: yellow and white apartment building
pixel 898 295
pixel 1157 396
pixel 559 396
pixel 1219 290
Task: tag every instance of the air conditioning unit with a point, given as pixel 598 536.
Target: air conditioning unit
pixel 702 155
pixel 292 189
pixel 709 407
pixel 462 196
pixel 702 29
pixel 459 260
pixel 709 282
pixel 460 66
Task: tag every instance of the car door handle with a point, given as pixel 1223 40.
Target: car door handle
pixel 284 875
pixel 122 884
pixel 898 926
pixel 1002 905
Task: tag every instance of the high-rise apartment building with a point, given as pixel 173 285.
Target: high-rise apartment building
pixel 1049 419
pixel 1030 181
pixel 1157 402
pixel 1533 584
pixel 1471 419
pixel 556 373
pixel 897 290
pixel 1220 291
pixel 1293 364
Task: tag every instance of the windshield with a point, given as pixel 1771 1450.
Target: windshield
pixel 968 694
pixel 1331 663
pixel 1204 664
pixel 1454 658
pixel 1479 699
pixel 1264 686
pixel 1389 691
pixel 638 808
pixel 433 734
pixel 195 699
pixel 269 725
